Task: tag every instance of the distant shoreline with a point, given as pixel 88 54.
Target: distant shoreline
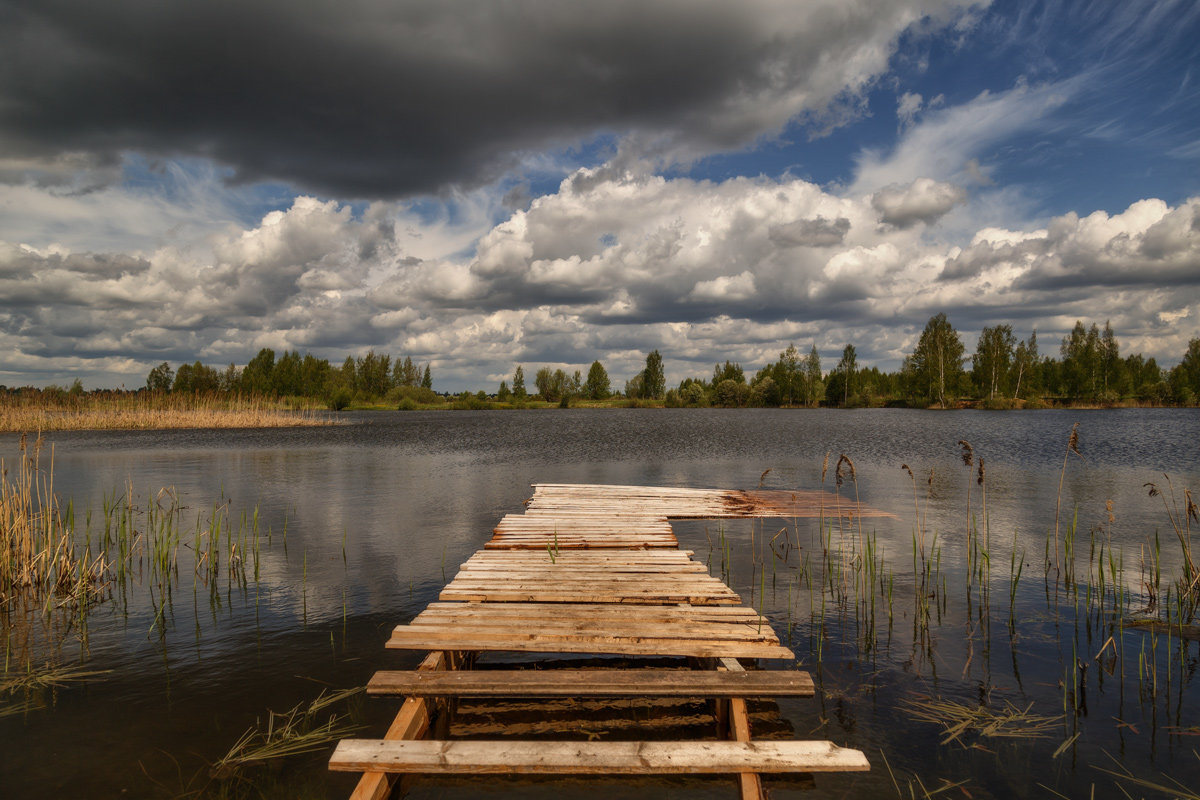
pixel 174 412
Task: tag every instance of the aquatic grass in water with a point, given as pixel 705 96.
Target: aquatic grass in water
pixel 1121 652
pixel 302 729
pixel 39 559
pixel 55 573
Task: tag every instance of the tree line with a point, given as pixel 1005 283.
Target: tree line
pixel 1003 372
pixel 372 378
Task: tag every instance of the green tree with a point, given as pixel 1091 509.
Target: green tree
pixel 814 388
pixel 231 379
pixel 406 373
pixel 552 385
pixel 1112 373
pixel 160 378
pixel 503 393
pixel 692 393
pixel 348 375
pixel 654 381
pixel 518 384
pixel 731 393
pixel 285 376
pixel 257 376
pixel 196 379
pixel 730 371
pixel 935 368
pixel 314 376
pixel 1186 376
pixel 764 391
pixel 1080 369
pixel 633 386
pixel 597 386
pixel 846 367
pixel 1024 366
pixel 992 360
pixel 788 377
pixel 427 378
pixel 373 373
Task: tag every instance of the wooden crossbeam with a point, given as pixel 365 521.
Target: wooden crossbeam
pixel 749 783
pixel 440 757
pixel 411 722
pixel 592 683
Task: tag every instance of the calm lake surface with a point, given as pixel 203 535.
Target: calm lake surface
pixel 362 524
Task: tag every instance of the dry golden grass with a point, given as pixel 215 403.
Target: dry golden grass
pixel 958 719
pixel 124 411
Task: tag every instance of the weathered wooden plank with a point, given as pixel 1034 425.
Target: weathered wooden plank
pixel 593 683
pixel 597 610
pixel 551 572
pixel 592 758
pixel 419 639
pixel 738 631
pixel 585 633
pixel 614 556
pixel 630 587
pixel 552 596
pixel 698 503
pixel 592 545
pixel 632 629
pixel 697 580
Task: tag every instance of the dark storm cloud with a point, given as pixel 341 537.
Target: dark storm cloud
pixel 922 201
pixel 819 232
pixel 373 98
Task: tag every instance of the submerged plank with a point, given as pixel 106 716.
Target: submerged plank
pixel 592 758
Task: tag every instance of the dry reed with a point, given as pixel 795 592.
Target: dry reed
pixel 144 411
pixel 38 555
pixel 291 733
pixel 959 719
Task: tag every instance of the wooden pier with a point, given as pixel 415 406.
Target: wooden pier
pixel 597 570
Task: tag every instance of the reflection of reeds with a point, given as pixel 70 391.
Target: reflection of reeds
pixel 146 411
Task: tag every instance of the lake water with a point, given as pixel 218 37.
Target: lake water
pixel 361 524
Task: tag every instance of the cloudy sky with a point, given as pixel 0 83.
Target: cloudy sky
pixel 482 184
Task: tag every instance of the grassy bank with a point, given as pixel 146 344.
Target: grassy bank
pixel 145 411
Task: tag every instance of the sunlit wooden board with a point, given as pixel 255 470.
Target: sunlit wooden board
pixel 592 758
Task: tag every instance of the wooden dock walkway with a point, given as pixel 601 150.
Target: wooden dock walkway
pixel 597 570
